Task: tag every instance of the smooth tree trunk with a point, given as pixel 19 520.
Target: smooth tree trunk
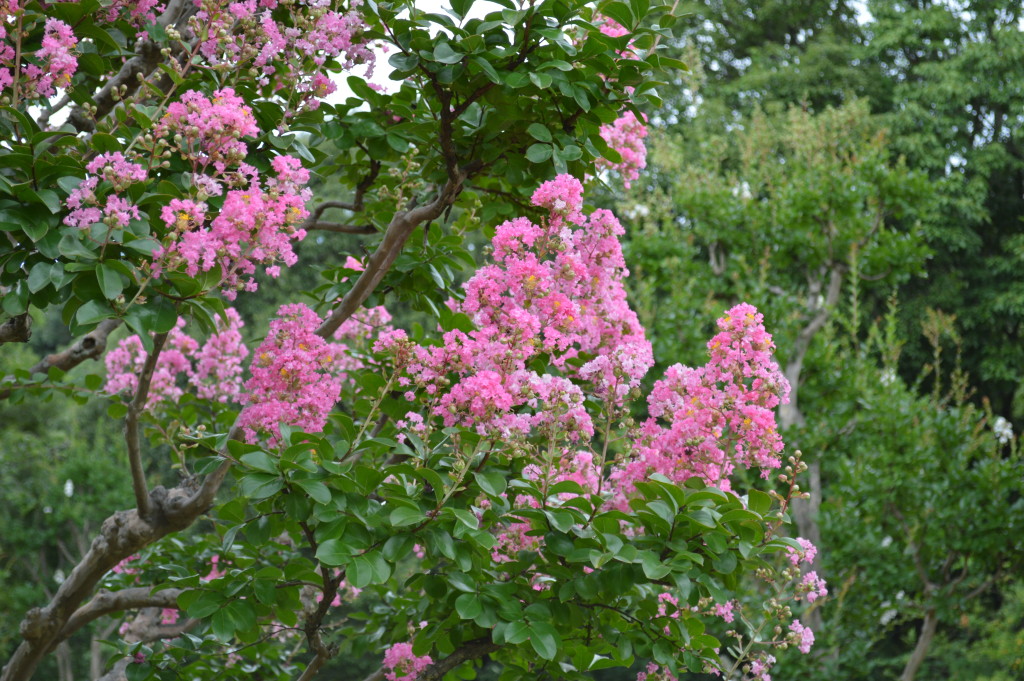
pixel 924 641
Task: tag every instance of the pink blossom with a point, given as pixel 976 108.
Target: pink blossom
pixel 218 371
pixel 759 667
pixel 725 610
pixel 87 208
pixel 812 586
pixel 402 665
pixel 255 226
pixel 125 363
pixel 806 555
pixel 717 416
pixel 216 374
pixel 655 672
pixel 296 54
pixel 626 136
pixel 294 377
pixel 55 55
pixel 803 637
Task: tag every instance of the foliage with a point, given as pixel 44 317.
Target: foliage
pixel 339 498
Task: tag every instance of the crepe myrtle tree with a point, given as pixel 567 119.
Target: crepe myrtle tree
pixel 478 489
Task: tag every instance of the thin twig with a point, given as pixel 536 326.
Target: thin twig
pixel 131 426
pixel 341 228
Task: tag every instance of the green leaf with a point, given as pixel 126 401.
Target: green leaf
pixel 93 312
pixel 468 606
pixel 544 639
pixel 109 280
pixel 404 62
pixel 404 516
pixel 316 490
pixel 103 142
pixel 759 502
pixel 461 7
pixel 260 485
pixel 488 69
pixel 702 517
pixel 261 461
pixel 39 276
pixel 368 569
pixel 73 249
pixel 538 153
pixel 333 552
pixel 446 55
pixel 491 483
pixel 541 80
pixel 621 13
pixel 539 132
pixel 462 582
pixel 517 632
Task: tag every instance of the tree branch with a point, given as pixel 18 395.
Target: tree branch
pixel 340 228
pixel 147 56
pixel 470 650
pixel 106 602
pixel 17 329
pixel 131 425
pixel 789 414
pixel 378 264
pixel 121 535
pixel 313 622
pixel 89 346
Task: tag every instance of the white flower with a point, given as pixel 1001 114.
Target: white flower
pixel 888 377
pixel 887 616
pixel 886 542
pixel 1003 430
pixel 69 488
pixel 58 576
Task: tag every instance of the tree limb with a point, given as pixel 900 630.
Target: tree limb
pixel 122 534
pixel 89 346
pixel 131 426
pixel 106 602
pixel 789 414
pixel 470 650
pixel 17 329
pixel 147 56
pixel 340 228
pixel 378 264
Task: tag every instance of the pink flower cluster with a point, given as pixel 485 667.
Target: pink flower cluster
pixel 246 34
pixel 760 666
pixel 294 377
pixel 803 637
pixel 805 555
pixel 255 226
pixel 655 672
pixel 211 130
pixel 717 416
pixel 555 290
pixel 216 374
pixel 117 173
pixel 137 12
pixel 52 65
pixel 626 136
pixel 812 587
pixel 402 665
